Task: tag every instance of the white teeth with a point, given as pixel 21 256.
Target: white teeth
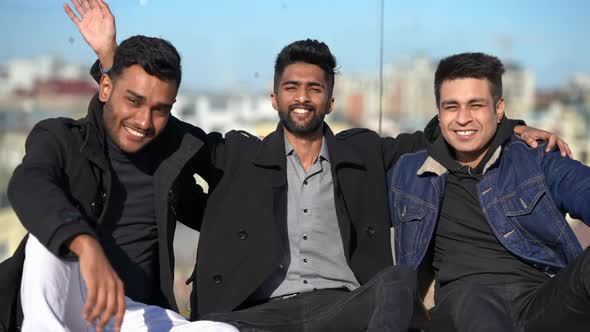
pixel 300 110
pixel 465 132
pixel 134 132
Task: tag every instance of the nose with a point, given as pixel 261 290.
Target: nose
pixel 463 116
pixel 143 118
pixel 302 96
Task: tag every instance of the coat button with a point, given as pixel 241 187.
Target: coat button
pixel 243 235
pixel 370 231
pixel 217 279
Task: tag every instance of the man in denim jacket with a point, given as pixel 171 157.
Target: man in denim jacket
pixel 484 214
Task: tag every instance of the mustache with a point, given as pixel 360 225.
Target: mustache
pixel 304 106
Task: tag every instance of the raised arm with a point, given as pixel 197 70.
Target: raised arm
pixel 569 183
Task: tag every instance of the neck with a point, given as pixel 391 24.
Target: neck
pixel 470 159
pixel 307 146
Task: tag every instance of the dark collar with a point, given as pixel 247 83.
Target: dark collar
pixel 174 143
pixel 94 144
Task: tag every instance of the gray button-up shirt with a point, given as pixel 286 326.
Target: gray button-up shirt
pixel 315 259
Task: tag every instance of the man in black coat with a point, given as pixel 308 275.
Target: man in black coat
pixel 296 230
pixel 107 190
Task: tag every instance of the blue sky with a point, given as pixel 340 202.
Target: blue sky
pixel 234 42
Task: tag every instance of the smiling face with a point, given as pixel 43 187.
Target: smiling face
pixel 302 98
pixel 468 117
pixel 137 107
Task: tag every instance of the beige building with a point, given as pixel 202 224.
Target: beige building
pixel 12 233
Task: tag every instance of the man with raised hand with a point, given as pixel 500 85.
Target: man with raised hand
pixel 100 197
pixel 484 214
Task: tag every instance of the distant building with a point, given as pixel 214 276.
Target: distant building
pixel 11 235
pixel 518 90
pixel 19 76
pixel 224 112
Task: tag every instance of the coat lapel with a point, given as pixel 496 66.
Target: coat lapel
pixel 342 156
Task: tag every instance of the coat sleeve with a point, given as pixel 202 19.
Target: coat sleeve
pixel 38 194
pixel 394 148
pixel 95 72
pixel 192 199
pixel 569 183
pixel 208 164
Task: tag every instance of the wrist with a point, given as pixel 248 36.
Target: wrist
pixel 81 244
pixel 106 57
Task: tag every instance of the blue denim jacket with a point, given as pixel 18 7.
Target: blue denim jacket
pixel 524 196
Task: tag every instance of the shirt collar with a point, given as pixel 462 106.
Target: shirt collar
pixel 323 150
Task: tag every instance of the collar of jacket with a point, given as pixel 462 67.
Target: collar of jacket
pixel 173 145
pixel 93 146
pixel 272 150
pixel 432 166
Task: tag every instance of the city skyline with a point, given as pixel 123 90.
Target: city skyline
pixel 232 44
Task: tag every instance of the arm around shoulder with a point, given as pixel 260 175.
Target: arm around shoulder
pixel 569 183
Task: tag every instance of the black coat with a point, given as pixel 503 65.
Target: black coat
pixel 240 244
pixel 64 180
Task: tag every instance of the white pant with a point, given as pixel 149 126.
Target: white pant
pixel 53 296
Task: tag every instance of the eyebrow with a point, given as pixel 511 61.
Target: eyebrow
pixel 470 101
pixel 136 95
pixel 312 83
pixel 143 99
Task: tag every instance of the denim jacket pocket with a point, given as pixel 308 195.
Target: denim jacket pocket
pixel 524 200
pixel 409 214
pixel 409 209
pixel 529 209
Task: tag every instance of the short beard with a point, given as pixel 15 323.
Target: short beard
pixel 305 130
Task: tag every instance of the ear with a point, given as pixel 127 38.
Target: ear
pixel 500 106
pixel 274 101
pixel 105 88
pixel 330 107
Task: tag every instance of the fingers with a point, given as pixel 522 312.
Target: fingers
pixel 78 7
pixel 71 14
pixel 551 142
pixel 120 306
pixel 531 141
pixel 100 305
pixel 110 309
pixel 569 151
pixel 101 4
pixel 564 148
pixel 91 4
pixel 91 295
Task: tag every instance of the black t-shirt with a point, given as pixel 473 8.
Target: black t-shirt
pixel 129 233
pixel 464 244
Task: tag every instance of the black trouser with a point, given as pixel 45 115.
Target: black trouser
pixel 385 303
pixel 561 303
pixel 467 306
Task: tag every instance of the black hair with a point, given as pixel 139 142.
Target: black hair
pixel 470 65
pixel 156 56
pixel 307 51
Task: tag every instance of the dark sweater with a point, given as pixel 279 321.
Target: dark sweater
pixel 129 234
